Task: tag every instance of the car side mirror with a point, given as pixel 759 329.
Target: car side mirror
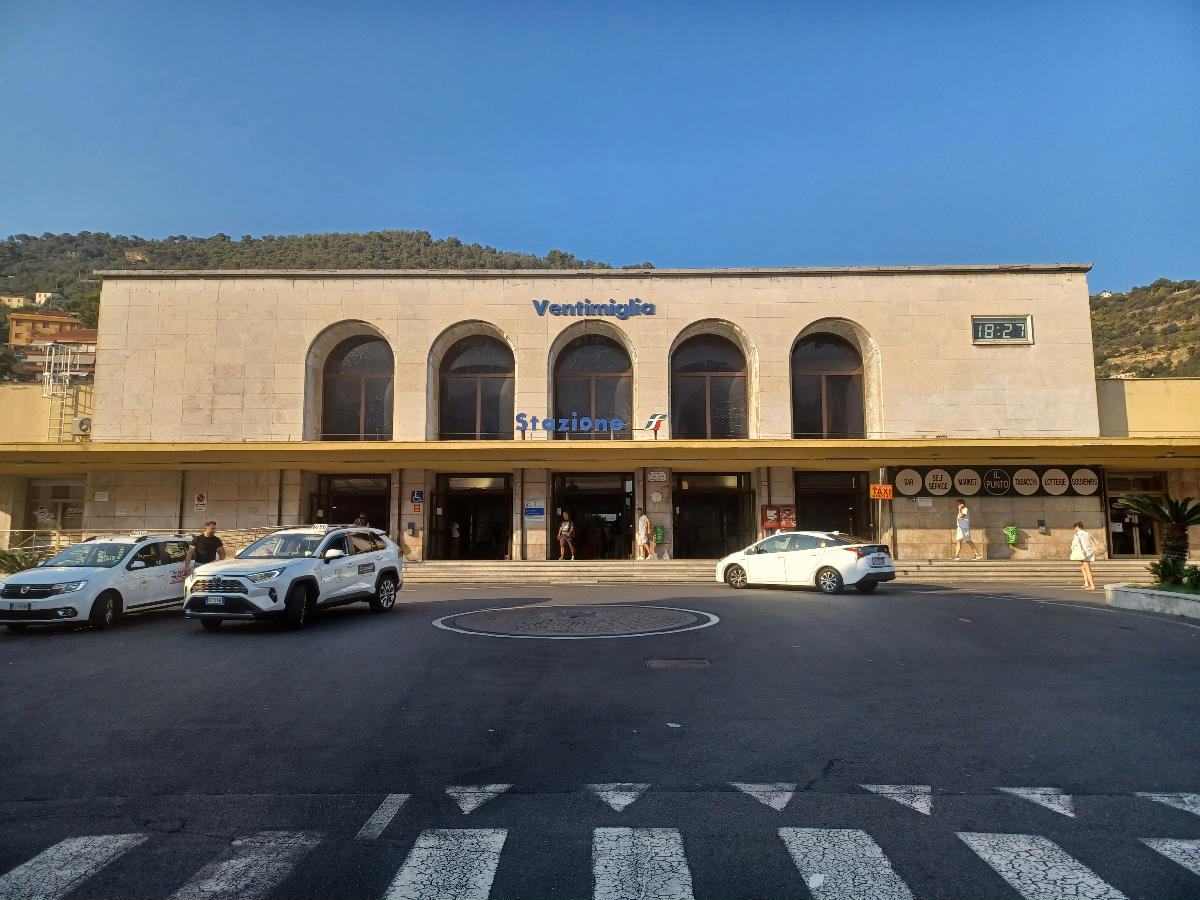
pixel 136 564
pixel 333 553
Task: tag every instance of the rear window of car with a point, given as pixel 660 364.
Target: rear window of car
pixel 841 540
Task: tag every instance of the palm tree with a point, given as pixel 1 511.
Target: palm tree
pixel 1175 516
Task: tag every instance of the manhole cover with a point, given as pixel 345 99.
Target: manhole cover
pixel 567 623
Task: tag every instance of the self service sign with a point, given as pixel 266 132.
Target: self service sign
pixel 998 481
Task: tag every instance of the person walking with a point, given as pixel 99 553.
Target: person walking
pixel 204 548
pixel 1083 549
pixel 962 532
pixel 361 519
pixel 566 536
pixel 645 528
pixel 455 540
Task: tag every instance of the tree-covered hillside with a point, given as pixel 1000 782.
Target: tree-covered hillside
pixel 1152 330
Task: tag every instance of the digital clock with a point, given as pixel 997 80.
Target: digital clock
pixel 1002 329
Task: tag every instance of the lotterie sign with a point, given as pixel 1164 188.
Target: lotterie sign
pixel 997 481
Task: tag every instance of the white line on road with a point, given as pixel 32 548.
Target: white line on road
pixel 1186 853
pixel 640 864
pixel 251 868
pixel 472 796
pixel 774 795
pixel 382 817
pixel 1037 868
pixel 843 864
pixel 58 870
pixel 1186 802
pixel 917 796
pixel 618 796
pixel 453 862
pixel 1050 797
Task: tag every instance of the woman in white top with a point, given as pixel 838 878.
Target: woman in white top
pixel 1083 548
pixel 962 532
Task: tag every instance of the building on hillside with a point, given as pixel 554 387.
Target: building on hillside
pixel 47 298
pixel 26 327
pixel 78 345
pixel 14 302
pixel 727 402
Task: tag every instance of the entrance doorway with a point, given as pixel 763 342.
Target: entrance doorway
pixel 714 514
pixel 602 506
pixel 834 501
pixel 1129 534
pixel 340 498
pixel 471 517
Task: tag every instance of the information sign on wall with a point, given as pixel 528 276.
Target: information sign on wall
pixel 997 481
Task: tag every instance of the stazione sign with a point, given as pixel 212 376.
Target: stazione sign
pixel 997 481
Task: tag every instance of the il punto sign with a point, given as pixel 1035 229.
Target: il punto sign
pixel 997 481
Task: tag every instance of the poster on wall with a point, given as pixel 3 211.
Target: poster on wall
pixel 997 481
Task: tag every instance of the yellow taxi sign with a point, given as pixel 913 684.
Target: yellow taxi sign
pixel 881 492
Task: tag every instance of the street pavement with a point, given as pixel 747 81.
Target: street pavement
pixel 920 741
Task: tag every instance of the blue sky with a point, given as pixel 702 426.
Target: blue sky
pixel 689 134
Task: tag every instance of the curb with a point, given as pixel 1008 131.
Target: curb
pixel 1150 600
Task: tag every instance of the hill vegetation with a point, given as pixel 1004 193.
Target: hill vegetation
pixel 1149 331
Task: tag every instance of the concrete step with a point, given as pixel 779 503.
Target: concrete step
pixel 694 571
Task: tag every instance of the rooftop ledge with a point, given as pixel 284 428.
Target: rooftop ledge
pixel 992 269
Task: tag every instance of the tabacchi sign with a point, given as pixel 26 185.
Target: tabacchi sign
pixel 585 307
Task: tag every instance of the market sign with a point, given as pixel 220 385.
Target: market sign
pixel 997 481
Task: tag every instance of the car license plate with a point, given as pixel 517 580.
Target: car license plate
pixel 20 606
pixel 214 601
pixel 878 560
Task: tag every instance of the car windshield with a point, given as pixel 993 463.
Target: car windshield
pixel 103 556
pixel 283 546
pixel 840 540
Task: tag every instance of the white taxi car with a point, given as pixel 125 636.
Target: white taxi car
pixel 295 571
pixel 97 581
pixel 828 559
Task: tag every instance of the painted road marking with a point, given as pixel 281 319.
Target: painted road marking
pixel 640 864
pixel 470 797
pixel 382 817
pixel 917 796
pixel 618 796
pixel 450 862
pixel 1186 853
pixel 251 868
pixel 1186 802
pixel 58 870
pixel 774 795
pixel 1037 868
pixel 843 864
pixel 1050 797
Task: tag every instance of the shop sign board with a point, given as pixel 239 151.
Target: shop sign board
pixel 881 492
pixel 775 518
pixel 997 481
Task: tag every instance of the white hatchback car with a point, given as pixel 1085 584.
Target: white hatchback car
pixel 828 559
pixel 97 582
pixel 294 571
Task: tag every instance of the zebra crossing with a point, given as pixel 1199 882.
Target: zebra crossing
pixel 626 863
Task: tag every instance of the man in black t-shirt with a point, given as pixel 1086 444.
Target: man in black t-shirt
pixel 205 548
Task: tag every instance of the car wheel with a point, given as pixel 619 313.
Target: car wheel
pixel 104 610
pixel 735 577
pixel 829 581
pixel 865 587
pixel 296 606
pixel 17 626
pixel 211 624
pixel 385 595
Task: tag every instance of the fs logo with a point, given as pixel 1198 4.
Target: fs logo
pixel 655 422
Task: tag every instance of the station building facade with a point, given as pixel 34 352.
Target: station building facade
pixel 465 411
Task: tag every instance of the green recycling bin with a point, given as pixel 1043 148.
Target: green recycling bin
pixel 1011 532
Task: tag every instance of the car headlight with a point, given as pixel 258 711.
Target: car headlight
pixel 264 576
pixel 67 587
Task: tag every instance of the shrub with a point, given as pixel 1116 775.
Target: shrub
pixel 1191 577
pixel 13 561
pixel 1168 570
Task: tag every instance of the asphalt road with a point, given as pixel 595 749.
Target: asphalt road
pixel 376 755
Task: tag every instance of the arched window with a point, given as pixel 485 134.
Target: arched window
pixel 827 388
pixel 593 377
pixel 356 400
pixel 476 391
pixel 708 389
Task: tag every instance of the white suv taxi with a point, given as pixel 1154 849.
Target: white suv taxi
pixel 97 582
pixel 295 571
pixel 829 560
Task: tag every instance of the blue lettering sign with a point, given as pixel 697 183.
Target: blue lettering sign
pixel 576 422
pixel 585 307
